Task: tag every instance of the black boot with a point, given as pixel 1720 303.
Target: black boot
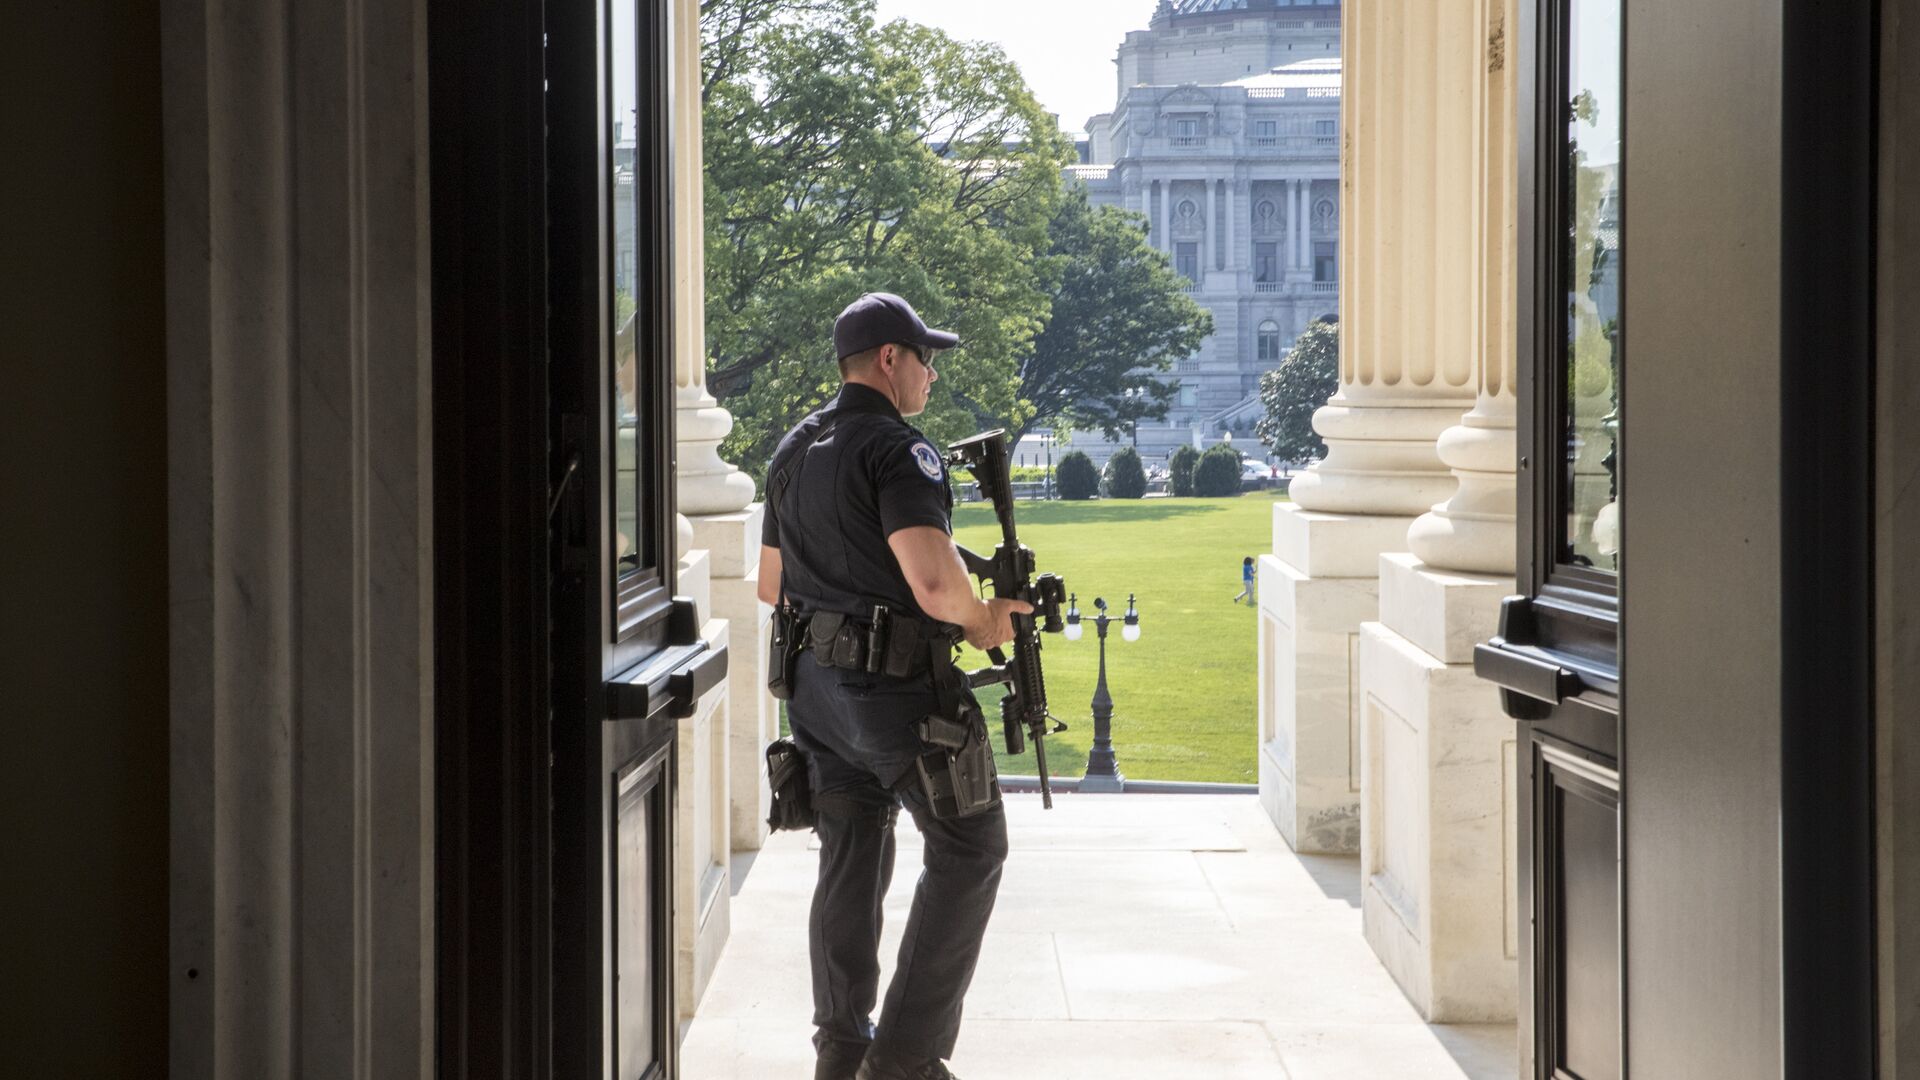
pixel 838 1061
pixel 880 1065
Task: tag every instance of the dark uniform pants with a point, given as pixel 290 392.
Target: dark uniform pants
pixel 856 732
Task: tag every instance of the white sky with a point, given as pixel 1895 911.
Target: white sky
pixel 1065 48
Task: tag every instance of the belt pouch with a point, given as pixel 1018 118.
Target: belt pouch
pixel 903 646
pixel 847 647
pixel 823 631
pixel 792 804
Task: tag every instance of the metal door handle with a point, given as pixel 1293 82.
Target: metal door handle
pixel 1532 683
pixel 673 679
pixel 1524 671
pixel 687 685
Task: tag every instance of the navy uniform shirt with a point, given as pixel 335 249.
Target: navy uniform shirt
pixel 868 475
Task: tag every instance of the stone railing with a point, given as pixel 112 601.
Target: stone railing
pixel 1319 146
pixel 1296 93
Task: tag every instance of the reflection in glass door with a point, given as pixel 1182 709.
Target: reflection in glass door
pixel 1592 222
pixel 624 121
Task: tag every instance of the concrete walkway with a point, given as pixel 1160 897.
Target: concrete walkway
pixel 1137 936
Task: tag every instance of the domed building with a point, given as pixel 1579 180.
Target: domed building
pixel 1225 134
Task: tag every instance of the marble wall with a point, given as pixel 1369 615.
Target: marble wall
pixel 300 534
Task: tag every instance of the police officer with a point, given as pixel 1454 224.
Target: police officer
pixel 858 532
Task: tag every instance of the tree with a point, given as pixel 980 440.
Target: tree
pixel 1218 473
pixel 1126 478
pixel 1180 466
pixel 1120 318
pixel 1077 477
pixel 1305 379
pixel 843 157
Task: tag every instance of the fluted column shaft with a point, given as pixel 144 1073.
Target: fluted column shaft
pixel 707 485
pixel 1474 530
pixel 1211 257
pixel 1166 215
pixel 1407 370
pixel 1227 202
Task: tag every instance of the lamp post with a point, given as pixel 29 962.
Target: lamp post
pixel 1103 772
pixel 1046 489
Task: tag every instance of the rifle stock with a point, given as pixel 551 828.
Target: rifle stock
pixel 1023 709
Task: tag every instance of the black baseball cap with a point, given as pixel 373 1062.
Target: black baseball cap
pixel 880 318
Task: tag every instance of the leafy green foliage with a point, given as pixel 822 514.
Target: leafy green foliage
pixel 1120 319
pixel 1218 473
pixel 1077 477
pixel 1126 477
pixel 844 157
pixel 1303 382
pixel 1180 466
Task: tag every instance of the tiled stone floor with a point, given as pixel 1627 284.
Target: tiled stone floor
pixel 1136 936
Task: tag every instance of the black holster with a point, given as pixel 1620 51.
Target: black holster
pixel 783 650
pixel 955 772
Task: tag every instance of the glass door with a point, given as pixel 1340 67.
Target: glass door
pixel 629 663
pixel 1557 656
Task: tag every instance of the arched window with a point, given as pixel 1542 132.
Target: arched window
pixel 1268 341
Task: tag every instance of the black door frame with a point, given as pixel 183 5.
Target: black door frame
pixel 1828 233
pixel 491 584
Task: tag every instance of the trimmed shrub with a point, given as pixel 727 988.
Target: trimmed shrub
pixel 1076 476
pixel 1218 473
pixel 1180 465
pixel 1126 477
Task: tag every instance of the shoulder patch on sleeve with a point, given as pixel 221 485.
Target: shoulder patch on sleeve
pixel 925 456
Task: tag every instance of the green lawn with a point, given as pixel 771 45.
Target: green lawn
pixel 1184 693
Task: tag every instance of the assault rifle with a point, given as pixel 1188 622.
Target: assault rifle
pixel 1023 710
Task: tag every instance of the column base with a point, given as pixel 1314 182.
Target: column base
pixel 702 879
pixel 695 580
pixel 1437 847
pixel 755 715
pixel 732 541
pixel 1315 591
pixel 1443 612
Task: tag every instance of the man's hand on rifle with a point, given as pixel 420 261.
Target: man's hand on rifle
pixel 944 589
pixel 994 626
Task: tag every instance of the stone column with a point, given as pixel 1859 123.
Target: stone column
pixel 1166 215
pixel 1287 241
pixel 1233 260
pixel 1303 235
pixel 1401 385
pixel 300 542
pixel 1210 247
pixel 716 498
pixel 1437 751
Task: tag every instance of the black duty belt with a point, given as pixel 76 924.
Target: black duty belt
pixel 902 646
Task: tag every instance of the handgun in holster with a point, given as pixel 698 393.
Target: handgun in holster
pixel 955 770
